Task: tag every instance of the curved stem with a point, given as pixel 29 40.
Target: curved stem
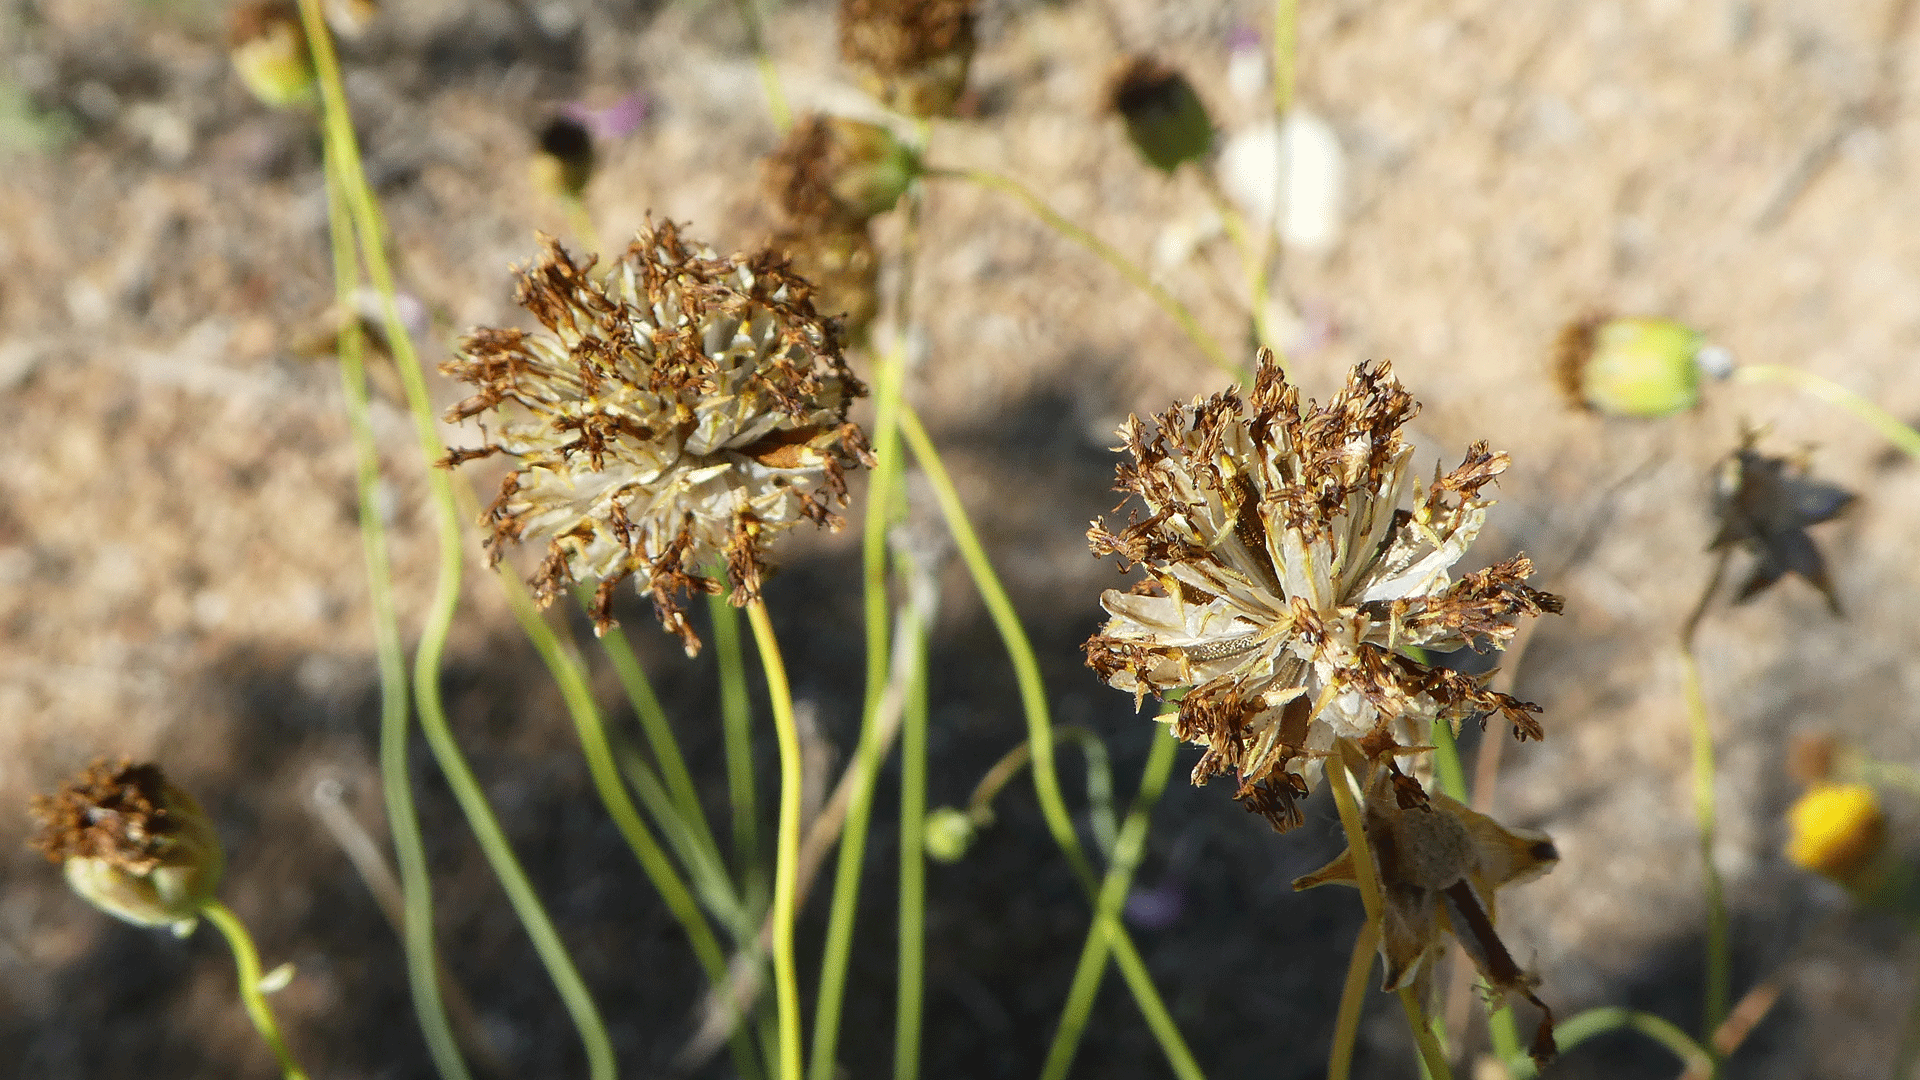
pixel 1189 325
pixel 1353 1000
pixel 910 989
pixel 370 231
pixel 1579 1029
pixel 786 859
pixel 736 722
pixel 1127 850
pixel 1432 1056
pixel 1033 701
pixel 416 889
pixel 1900 435
pixel 660 738
pixel 247 960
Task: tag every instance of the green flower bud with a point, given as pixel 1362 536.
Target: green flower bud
pixel 1634 366
pixel 949 833
pixel 269 50
pixel 132 844
pixel 564 162
pixel 831 173
pixel 1164 115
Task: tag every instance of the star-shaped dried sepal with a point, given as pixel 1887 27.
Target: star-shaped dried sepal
pixel 1287 588
pixel 1765 504
pixel 1439 865
pixel 679 411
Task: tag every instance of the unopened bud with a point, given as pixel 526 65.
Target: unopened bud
pixel 564 162
pixel 1837 831
pixel 1633 366
pixel 1165 118
pixel 131 843
pixel 949 833
pixel 269 51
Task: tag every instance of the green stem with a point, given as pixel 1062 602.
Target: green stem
pixel 1576 1030
pixel 1033 701
pixel 1433 1059
pixel 769 75
pixel 787 850
pixel 416 889
pixel 370 231
pixel 1285 34
pixel 247 959
pixel 736 721
pixel 1179 312
pixel 1127 852
pixel 1719 981
pixel 1353 1000
pixel 1900 435
pixel 660 738
pixel 1446 763
pixel 911 991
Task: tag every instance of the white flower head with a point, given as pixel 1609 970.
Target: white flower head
pixel 679 412
pixel 1288 588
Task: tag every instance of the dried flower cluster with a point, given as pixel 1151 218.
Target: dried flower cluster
pixel 911 54
pixel 131 843
pixel 1764 504
pixel 1287 588
pixel 679 411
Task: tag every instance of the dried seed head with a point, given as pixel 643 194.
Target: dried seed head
pixel 1634 366
pixel 269 50
pixel 911 54
pixel 830 172
pixel 1289 589
pixel 131 844
pixel 844 269
pixel 678 413
pixel 563 162
pixel 1165 118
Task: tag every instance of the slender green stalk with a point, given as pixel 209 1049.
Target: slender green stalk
pixel 1719 979
pixel 1504 1032
pixel 416 889
pixel 1286 32
pixel 863 771
pixel 1446 763
pixel 370 231
pixel 659 732
pixel 910 988
pixel 1033 700
pixel 1127 852
pixel 786 985
pixel 1353 1000
pixel 247 959
pixel 1900 435
pixel 769 75
pixel 1433 1058
pixel 1578 1029
pixel 1253 252
pixel 1179 312
pixel 1099 784
pixel 736 721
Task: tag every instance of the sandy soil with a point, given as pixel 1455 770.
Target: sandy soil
pixel 180 574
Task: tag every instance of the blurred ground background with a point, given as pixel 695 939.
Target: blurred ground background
pixel 181 578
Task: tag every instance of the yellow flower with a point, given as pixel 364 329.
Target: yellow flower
pixel 1292 591
pixel 678 413
pixel 1836 830
pixel 131 843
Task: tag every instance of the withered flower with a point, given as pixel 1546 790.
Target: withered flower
pixel 1439 865
pixel 911 54
pixel 1765 504
pixel 563 162
pixel 131 843
pixel 1289 590
pixel 269 50
pixel 844 269
pixel 679 411
pixel 832 172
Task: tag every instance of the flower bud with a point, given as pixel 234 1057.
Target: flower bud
pixel 564 162
pixel 269 51
pixel 1164 115
pixel 949 833
pixel 1633 366
pixel 831 170
pixel 911 54
pixel 131 843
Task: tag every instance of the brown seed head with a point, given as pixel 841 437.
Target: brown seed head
pixel 830 172
pixel 911 54
pixel 132 843
pixel 677 413
pixel 1291 592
